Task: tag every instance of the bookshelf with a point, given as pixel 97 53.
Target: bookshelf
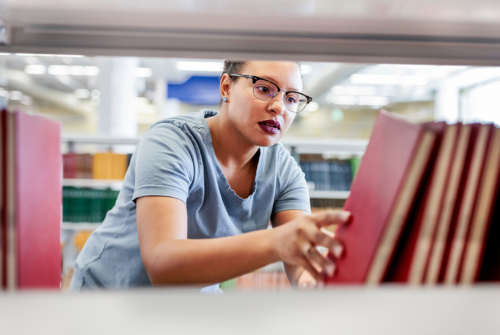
pixel 93 183
pixel 79 226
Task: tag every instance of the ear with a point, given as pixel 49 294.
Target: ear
pixel 225 85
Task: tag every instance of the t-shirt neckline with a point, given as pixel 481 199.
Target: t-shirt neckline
pixel 221 178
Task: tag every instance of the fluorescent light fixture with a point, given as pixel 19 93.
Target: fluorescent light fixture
pixel 59 70
pixel 143 72
pixel 82 93
pixel 305 69
pixel 36 55
pixel 4 53
pixel 313 106
pixel 91 70
pixel 70 56
pixel 360 100
pixel 74 70
pixel 15 95
pixel 200 66
pixel 353 90
pixel 35 69
pixel 388 79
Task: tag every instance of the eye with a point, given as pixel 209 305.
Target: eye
pixel 263 89
pixel 291 99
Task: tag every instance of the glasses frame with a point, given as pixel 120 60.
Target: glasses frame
pixel 254 80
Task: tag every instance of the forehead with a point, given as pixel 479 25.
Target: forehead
pixel 284 74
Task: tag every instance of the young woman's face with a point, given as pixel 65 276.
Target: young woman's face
pixel 263 123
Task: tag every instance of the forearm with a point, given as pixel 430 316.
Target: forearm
pixel 208 261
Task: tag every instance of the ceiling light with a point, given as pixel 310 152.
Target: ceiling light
pixel 143 72
pixel 70 56
pixel 37 55
pixel 15 95
pixel 360 100
pixel 353 90
pixel 91 70
pixel 35 69
pixel 200 66
pixel 305 69
pixel 59 70
pixel 76 70
pixel 82 93
pixel 4 54
pixel 387 79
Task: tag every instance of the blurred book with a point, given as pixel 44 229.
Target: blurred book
pixel 31 201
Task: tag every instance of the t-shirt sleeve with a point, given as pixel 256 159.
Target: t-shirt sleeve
pixel 292 187
pixel 165 163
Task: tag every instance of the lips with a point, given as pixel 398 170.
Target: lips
pixel 270 126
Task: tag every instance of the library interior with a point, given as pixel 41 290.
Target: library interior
pixel 402 132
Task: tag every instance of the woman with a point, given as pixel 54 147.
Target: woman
pixel 197 182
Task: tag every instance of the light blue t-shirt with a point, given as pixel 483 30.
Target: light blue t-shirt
pixel 176 158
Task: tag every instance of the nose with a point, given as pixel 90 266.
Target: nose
pixel 278 104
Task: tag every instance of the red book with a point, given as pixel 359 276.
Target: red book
pixel 468 202
pixel 385 176
pixel 433 205
pixel 483 213
pixel 34 202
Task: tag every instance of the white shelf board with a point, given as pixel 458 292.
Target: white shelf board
pixel 99 139
pixel 78 226
pixel 329 194
pixel 342 147
pixel 93 183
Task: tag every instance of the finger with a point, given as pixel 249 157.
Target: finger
pixel 316 237
pixel 330 217
pixel 325 264
pixel 304 262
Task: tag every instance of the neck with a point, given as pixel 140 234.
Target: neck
pixel 231 148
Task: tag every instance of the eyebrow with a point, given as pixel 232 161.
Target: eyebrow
pixel 274 81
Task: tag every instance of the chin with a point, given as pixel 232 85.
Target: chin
pixel 266 141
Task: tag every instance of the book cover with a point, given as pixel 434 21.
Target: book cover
pixel 38 179
pixel 379 180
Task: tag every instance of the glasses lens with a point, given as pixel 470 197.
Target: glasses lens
pixel 295 102
pixel 264 90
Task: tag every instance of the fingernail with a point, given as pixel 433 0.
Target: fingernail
pixel 338 250
pixel 345 216
pixel 330 269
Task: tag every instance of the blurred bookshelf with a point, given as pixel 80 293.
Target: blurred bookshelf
pixel 93 174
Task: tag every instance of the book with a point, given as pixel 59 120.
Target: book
pixel 479 143
pixel 432 210
pixel 445 226
pixel 379 182
pixel 483 212
pixel 35 218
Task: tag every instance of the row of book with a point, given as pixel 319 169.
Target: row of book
pixel 104 165
pixel 425 206
pixel 87 205
pixel 321 204
pixel 330 174
pixel 30 202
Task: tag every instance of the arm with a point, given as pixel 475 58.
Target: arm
pixel 170 258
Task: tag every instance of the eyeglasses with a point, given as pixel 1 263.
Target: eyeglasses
pixel 266 90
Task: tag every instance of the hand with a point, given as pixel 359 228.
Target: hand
pixel 295 243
